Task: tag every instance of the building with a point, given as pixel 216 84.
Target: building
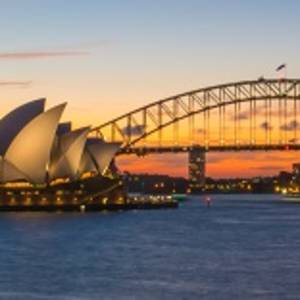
pixel 40 156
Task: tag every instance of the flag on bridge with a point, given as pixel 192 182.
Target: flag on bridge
pixel 281 67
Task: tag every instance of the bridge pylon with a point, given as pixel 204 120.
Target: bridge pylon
pixel 196 161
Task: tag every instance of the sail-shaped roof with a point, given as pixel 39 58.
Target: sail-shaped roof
pixel 102 153
pixel 30 150
pixel 33 145
pixel 12 123
pixel 86 163
pixel 8 172
pixel 67 154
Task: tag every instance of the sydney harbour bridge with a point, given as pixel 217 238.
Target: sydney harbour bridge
pixel 253 115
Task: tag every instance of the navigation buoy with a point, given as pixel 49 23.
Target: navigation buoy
pixel 208 201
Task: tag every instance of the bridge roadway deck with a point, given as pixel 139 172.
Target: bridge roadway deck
pixel 141 151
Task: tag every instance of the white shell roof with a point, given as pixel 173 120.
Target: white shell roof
pixel 67 154
pixel 8 172
pixel 102 153
pixel 12 123
pixel 30 149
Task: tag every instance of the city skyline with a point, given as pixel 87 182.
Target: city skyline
pixel 128 53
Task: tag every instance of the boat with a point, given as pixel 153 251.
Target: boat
pixel 291 197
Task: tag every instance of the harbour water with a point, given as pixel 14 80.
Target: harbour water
pixel 243 247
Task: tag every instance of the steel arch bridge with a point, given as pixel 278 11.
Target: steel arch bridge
pixel 247 115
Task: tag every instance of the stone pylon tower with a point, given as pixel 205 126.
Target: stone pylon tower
pixel 196 169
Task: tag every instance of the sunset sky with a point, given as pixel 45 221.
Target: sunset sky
pixel 109 57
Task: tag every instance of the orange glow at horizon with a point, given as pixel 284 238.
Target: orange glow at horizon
pixel 219 165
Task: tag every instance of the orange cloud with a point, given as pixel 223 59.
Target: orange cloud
pixel 39 54
pixel 16 83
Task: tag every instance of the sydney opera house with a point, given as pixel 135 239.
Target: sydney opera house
pixel 44 164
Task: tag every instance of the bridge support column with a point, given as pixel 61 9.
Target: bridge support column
pixel 196 170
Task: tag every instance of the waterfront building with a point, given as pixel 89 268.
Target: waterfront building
pixel 40 156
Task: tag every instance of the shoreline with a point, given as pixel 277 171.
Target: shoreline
pixel 87 207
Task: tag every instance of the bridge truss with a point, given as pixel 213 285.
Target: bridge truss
pixel 258 114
